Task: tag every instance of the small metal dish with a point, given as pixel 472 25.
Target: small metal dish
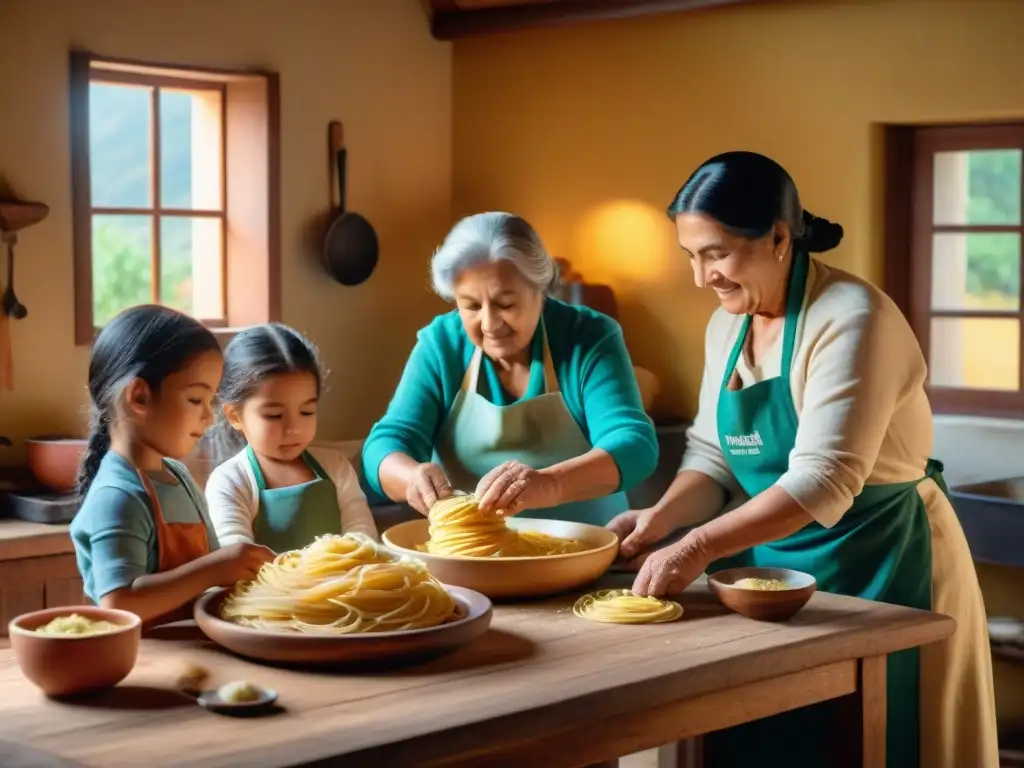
pixel 212 701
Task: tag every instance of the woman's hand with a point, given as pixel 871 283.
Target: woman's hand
pixel 671 569
pixel 427 485
pixel 513 487
pixel 638 530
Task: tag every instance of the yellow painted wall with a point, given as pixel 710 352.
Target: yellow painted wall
pixel 589 130
pixel 371 64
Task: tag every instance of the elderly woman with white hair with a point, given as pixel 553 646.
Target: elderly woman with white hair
pixel 529 402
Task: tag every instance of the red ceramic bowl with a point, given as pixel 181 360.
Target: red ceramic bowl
pixel 75 664
pixel 54 461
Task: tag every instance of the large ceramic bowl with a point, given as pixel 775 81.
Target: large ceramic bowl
pixel 294 648
pixel 69 665
pixel 760 604
pixel 515 577
pixel 54 461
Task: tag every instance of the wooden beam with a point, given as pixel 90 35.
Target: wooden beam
pixel 451 25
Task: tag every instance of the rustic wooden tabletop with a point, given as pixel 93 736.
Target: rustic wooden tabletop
pixel 542 688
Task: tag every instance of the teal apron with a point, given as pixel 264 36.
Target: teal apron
pixel 880 550
pixel 539 432
pixel 292 517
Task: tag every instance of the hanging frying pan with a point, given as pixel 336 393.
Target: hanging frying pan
pixel 350 248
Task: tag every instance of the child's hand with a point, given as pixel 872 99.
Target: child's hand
pixel 239 562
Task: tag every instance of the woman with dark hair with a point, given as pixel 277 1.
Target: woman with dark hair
pixel 814 427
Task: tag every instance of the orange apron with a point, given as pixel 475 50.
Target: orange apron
pixel 176 543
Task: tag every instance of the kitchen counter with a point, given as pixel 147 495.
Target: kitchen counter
pixel 542 688
pixel 20 539
pixel 37 570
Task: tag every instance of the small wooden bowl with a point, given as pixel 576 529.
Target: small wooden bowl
pixel 763 604
pixel 75 664
pixel 294 648
pixel 515 577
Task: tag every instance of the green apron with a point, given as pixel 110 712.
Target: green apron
pixel 539 432
pixel 292 517
pixel 880 550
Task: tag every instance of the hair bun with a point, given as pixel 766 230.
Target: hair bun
pixel 820 234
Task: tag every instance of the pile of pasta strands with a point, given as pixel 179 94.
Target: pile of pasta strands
pixel 621 606
pixel 459 528
pixel 341 585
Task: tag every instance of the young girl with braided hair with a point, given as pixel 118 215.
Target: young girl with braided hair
pixel 143 538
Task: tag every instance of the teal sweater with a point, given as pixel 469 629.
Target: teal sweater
pixel 593 369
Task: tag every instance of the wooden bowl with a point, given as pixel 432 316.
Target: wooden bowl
pixel 294 648
pixel 514 577
pixel 54 461
pixel 762 604
pixel 75 664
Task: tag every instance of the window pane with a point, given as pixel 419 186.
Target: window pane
pixel 191 267
pixel 977 187
pixel 121 254
pixel 190 149
pixel 976 270
pixel 119 138
pixel 975 353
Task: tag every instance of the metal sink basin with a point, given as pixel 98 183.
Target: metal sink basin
pixel 992 516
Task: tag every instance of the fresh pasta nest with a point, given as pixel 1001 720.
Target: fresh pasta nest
pixel 341 585
pixel 621 606
pixel 459 528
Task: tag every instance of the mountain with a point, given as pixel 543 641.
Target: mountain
pixel 119 137
pixel 120 133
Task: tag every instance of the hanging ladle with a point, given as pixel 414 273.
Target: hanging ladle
pixel 16 215
pixel 9 303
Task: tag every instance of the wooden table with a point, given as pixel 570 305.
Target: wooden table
pixel 542 688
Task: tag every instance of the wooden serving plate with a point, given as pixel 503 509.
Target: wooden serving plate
pixel 515 577
pixel 296 649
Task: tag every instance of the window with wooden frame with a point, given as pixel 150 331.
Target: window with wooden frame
pixel 955 206
pixel 175 192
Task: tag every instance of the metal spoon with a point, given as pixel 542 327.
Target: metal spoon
pixel 9 303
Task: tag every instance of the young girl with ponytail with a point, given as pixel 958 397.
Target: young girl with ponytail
pixel 143 537
pixel 270 486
